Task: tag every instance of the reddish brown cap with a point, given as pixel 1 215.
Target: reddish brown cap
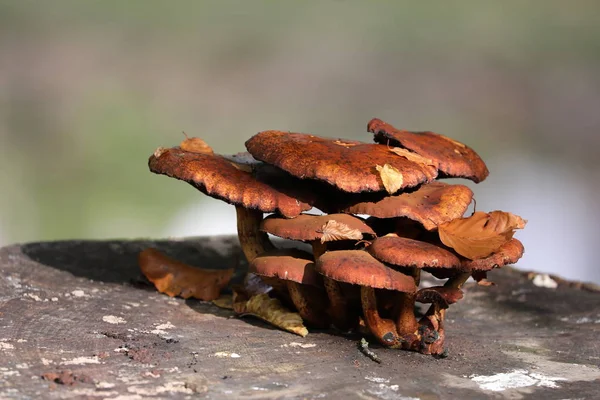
pixel 359 268
pixel 349 165
pixel 309 227
pixel 404 252
pixel 454 159
pixel 440 295
pixel 509 253
pixel 431 204
pixel 287 264
pixel 217 177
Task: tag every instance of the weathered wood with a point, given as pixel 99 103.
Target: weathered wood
pixel 83 307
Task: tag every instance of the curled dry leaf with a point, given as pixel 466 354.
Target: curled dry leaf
pixel 175 278
pixel 429 166
pixel 345 144
pixel 392 178
pixel 481 234
pixel 195 145
pixel 334 230
pixel 270 310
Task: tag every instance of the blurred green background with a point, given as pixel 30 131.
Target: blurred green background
pixel 88 90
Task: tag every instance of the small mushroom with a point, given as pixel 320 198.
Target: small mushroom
pixel 431 204
pixel 453 158
pixel 318 230
pixel 349 165
pixel 412 255
pixel 360 268
pixel 304 284
pixel 233 183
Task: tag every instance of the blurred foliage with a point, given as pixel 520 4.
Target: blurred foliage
pixel 88 89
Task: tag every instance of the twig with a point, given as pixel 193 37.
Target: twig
pixel 364 348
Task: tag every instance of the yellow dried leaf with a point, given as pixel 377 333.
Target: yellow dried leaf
pixel 242 167
pixel 195 145
pixel 344 144
pixel 224 301
pixel 334 230
pixel 175 278
pixel 270 310
pixel 481 234
pixel 414 157
pixel 392 178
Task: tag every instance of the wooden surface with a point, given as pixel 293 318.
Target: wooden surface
pixel 81 311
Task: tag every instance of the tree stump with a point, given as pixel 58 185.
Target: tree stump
pixel 78 320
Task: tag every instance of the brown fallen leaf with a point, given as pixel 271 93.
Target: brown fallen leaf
pixel 392 178
pixel 175 278
pixel 481 234
pixel 195 145
pixel 429 166
pixel 270 310
pixel 334 230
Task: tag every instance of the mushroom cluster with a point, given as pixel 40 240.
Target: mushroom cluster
pixel 386 219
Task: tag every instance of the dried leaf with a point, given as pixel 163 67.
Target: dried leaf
pixel 195 145
pixel 242 167
pixel 270 310
pixel 345 144
pixel 175 278
pixel 392 178
pixel 334 230
pixel 481 234
pixel 414 157
pixel 224 301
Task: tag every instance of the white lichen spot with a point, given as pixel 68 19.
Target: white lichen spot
pixel 54 299
pixel 11 373
pixel 519 378
pixel 544 280
pixel 22 366
pixel 6 346
pixel 45 361
pixel 33 296
pixel 21 340
pixel 78 293
pixel 377 379
pixel 160 329
pixel 82 361
pixel 105 385
pixel 111 319
pixel 225 354
pixel 301 345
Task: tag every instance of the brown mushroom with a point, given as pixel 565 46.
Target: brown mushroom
pixel 431 204
pixel 412 255
pixel 304 284
pixel 318 230
pixel 360 268
pixel 233 183
pixel 349 165
pixel 453 158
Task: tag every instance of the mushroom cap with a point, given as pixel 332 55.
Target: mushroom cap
pixel 509 253
pixel 218 177
pixel 454 159
pixel 308 227
pixel 404 252
pixel 288 265
pixel 431 204
pixel 443 296
pixel 360 268
pixel 348 165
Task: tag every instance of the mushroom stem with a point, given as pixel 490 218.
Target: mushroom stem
pixel 338 306
pixel 252 240
pixel 457 281
pixel 406 322
pixel 384 330
pixel 310 304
